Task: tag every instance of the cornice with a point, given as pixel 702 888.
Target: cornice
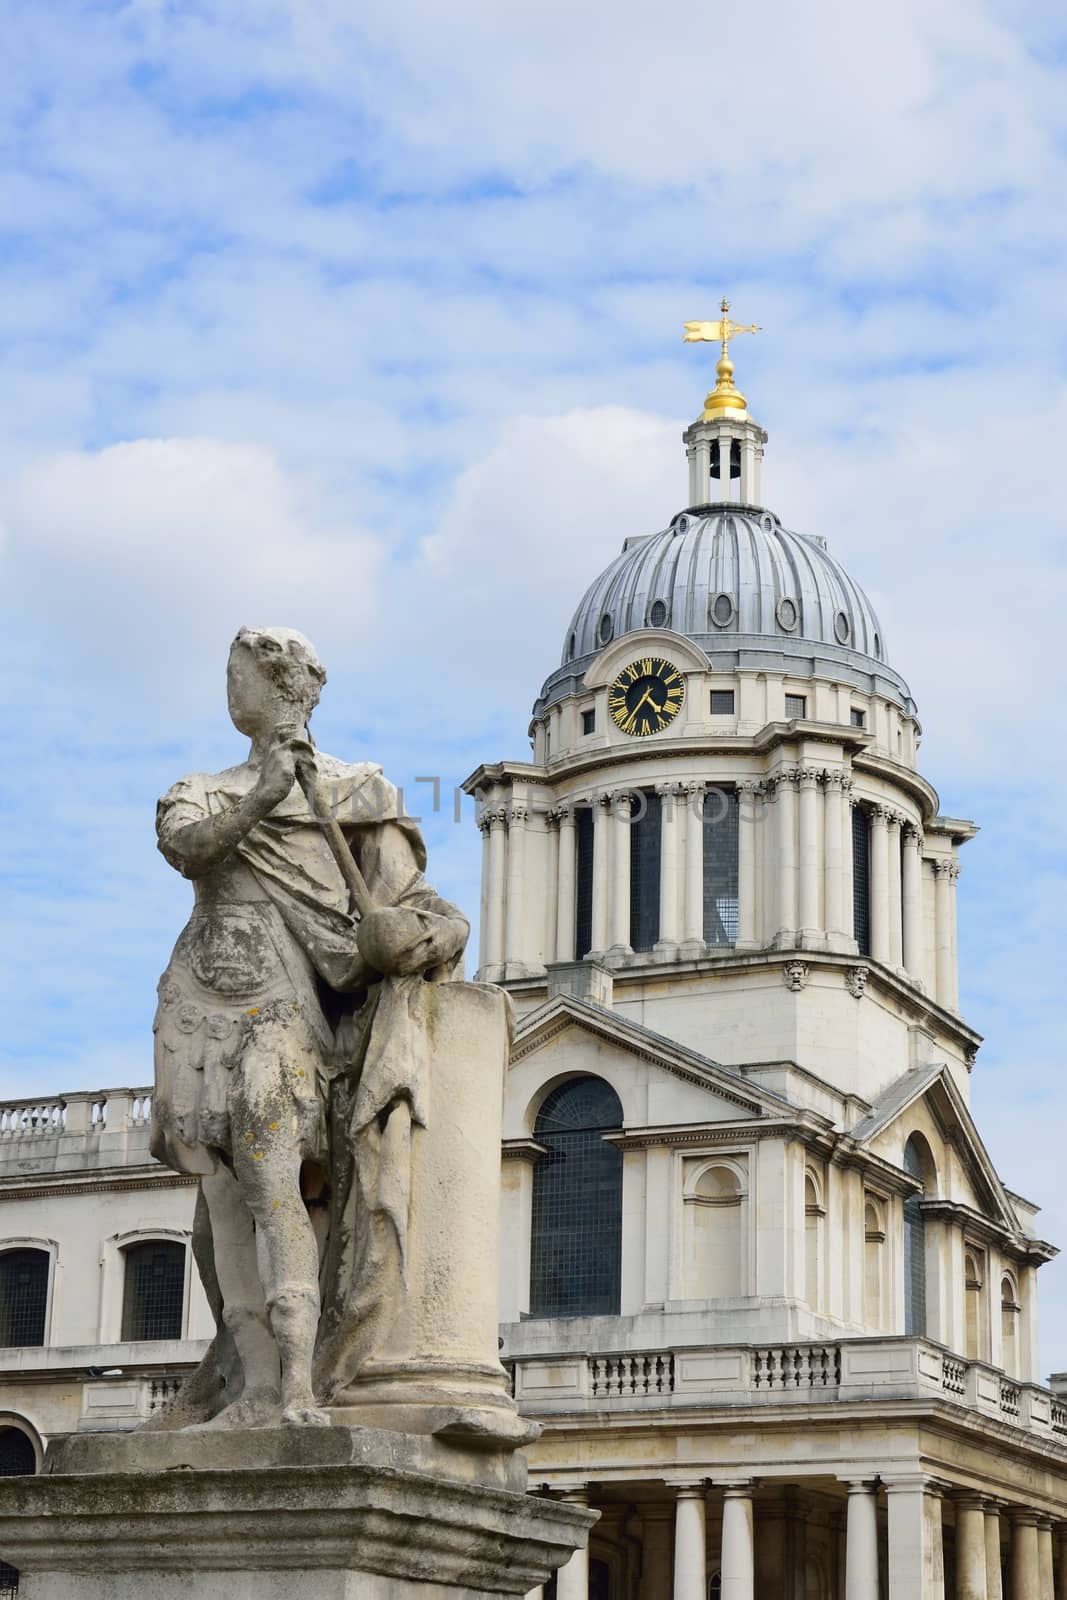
pixel 923 793
pixel 111 1180
pixel 1018 1246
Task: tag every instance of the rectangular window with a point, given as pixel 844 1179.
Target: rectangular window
pixel 588 721
pixel 861 880
pixel 583 887
pixel 644 870
pixel 859 718
pixel 722 702
pixel 720 867
pixel 796 705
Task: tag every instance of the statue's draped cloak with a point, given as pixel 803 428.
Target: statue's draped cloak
pixel 368 1084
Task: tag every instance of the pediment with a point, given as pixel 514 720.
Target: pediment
pixel 659 1081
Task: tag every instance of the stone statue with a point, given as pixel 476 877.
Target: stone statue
pixel 302 1034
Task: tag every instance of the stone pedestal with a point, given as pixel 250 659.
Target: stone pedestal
pixel 322 1513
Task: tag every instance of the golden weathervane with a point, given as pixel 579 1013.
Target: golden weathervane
pixel 724 397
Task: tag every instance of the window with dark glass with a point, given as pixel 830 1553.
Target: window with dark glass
pixel 576 1232
pixel 722 702
pixel 646 822
pixel 23 1297
pixel 9 1582
pixel 859 718
pixel 914 1248
pixel 18 1459
pixel 720 867
pixel 589 721
pixel 796 705
pixel 599 1587
pixel 154 1291
pixel 583 881
pixel 861 879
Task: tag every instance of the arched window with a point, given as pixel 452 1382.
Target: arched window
pixel 873 1255
pixel 23 1297
pixel 18 1458
pixel 814 1213
pixel 919 1164
pixel 714 1236
pixel 153 1296
pixel 861 880
pixel 576 1233
pixel 973 1277
pixel 720 867
pixel 1009 1324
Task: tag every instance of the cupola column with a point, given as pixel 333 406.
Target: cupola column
pixel 670 827
pixel 565 886
pixel 786 803
pixel 834 868
pixel 808 900
pixel 551 883
pixel 896 946
pixel 513 929
pixel 912 902
pixel 748 799
pixel 621 830
pixel 690 1542
pixel 738 1545
pixel 694 864
pixel 750 460
pixel 494 924
pixel 946 872
pixel 880 883
pixel 602 821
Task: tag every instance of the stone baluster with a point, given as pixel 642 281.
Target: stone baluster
pixel 572 1579
pixel 602 822
pixel 880 883
pixel 810 801
pixel 738 1567
pixel 1025 1569
pixel 494 929
pixel 912 903
pixel 861 1540
pixel 515 905
pixel 786 831
pixel 670 931
pixel 747 884
pixel 694 865
pixel 896 923
pixel 566 884
pixel 690 1557
pixel 970 1548
pixel 621 810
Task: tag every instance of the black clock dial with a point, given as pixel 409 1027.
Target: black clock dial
pixel 646 696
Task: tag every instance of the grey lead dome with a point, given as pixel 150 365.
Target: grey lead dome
pixel 726 572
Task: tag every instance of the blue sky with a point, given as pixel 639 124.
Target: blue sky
pixel 370 324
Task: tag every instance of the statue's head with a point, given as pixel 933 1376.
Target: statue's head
pixel 273 680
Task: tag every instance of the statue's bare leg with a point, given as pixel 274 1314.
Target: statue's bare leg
pixel 269 1174
pixel 244 1306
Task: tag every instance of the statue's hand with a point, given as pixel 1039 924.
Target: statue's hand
pixel 276 776
pixel 398 940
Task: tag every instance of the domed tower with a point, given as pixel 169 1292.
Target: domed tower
pixel 723 833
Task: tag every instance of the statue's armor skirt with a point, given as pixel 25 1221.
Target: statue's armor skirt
pixel 240 1042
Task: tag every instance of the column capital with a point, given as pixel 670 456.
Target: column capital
pixel 518 814
pixel 945 867
pixel 690 1489
pixel 554 816
pixel 867 1485
pixel 735 1488
pixel 909 1482
pixel 835 779
pixel 913 835
pixel 668 789
pixel 497 817
pixel 808 777
pixel 784 778
pixel 880 814
pixel 693 786
pixel 969 1499
pixel 1023 1516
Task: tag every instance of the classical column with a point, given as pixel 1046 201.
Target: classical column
pixel 916 1554
pixel 483 916
pixel 513 929
pixel 943 887
pixel 1045 1569
pixel 694 863
pixel 833 844
pixel 1025 1570
pixel 993 1579
pixel 785 784
pixel 622 806
pixel 896 936
pixel 656 1545
pixel 808 897
pixel 954 949
pixel 572 1580
pixel 747 801
pixel 912 903
pixel 847 912
pixel 749 475
pixel 551 884
pixel 690 1557
pixel 861 1540
pixel 602 822
pixel 970 1548
pixel 738 1566
pixel 1061 1565
pixel 880 883
pixel 494 920
pixel 565 896
pixel 670 930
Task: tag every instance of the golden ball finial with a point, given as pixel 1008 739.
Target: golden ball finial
pixel 724 398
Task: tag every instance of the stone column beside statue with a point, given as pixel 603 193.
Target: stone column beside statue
pixel 336 1088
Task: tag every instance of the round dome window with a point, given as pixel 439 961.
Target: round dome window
pixel 878 645
pixel 842 628
pixel 681 523
pixel 606 629
pixel 787 614
pixel 723 610
pixel 572 645
pixel 658 614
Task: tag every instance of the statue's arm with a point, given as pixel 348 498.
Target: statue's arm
pixel 195 848
pixel 414 930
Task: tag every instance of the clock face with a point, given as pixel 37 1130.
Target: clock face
pixel 646 696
